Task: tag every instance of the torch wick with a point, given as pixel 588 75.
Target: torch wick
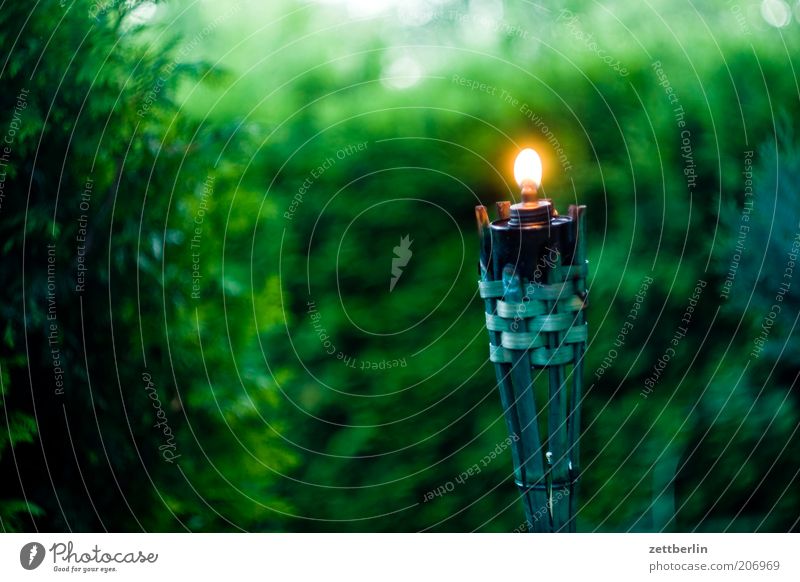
pixel 529 190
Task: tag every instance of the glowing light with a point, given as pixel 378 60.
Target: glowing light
pixel 415 12
pixel 142 13
pixel 402 73
pixel 776 13
pixel 368 8
pixel 528 167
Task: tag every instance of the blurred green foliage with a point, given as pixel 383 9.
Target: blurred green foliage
pixel 223 141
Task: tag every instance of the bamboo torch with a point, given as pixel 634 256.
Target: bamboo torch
pixel 533 284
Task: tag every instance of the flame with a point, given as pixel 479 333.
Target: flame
pixel 528 167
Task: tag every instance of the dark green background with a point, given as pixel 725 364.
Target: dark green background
pixel 275 434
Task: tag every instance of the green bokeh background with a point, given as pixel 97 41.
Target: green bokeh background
pixel 276 434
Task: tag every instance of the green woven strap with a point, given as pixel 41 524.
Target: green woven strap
pixel 548 292
pixel 552 357
pixel 540 355
pixel 515 310
pixel 523 340
pixel 552 322
pixel 543 324
pixel 495 290
pixel 491 289
pixel 497 323
pixel 529 309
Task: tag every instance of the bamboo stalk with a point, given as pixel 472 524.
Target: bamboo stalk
pixel 502 371
pixel 574 416
pixel 533 470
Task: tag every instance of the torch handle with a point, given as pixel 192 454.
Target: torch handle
pixel 533 484
pixel 502 371
pixel 574 416
pixel 557 423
